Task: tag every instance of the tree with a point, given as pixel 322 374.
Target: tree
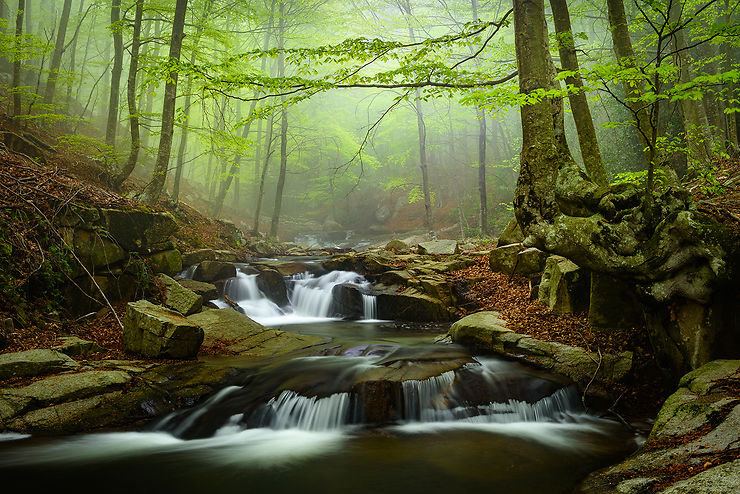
pixel 131 95
pixel 15 89
pixel 115 83
pixel 283 128
pixel 159 176
pixel 56 59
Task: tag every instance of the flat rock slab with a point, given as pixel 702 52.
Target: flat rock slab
pixel 242 335
pixel 68 387
pixel 439 247
pixel 694 431
pixel 72 346
pixel 179 298
pixel 206 290
pixel 34 363
pixel 487 331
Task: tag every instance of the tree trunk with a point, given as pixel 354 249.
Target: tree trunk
pixel 579 105
pixel 626 57
pixel 56 58
pixel 159 176
pixel 115 82
pixel 727 64
pixel 283 130
pixel 133 113
pixel 263 177
pixel 17 110
pixel 73 61
pixel 482 133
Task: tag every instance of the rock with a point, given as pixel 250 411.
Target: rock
pixel 531 261
pixel 167 262
pixel 503 259
pixel 225 256
pixel 207 291
pixel 272 284
pixel 234 235
pixel 139 231
pixel 411 305
pixel 198 256
pixel 244 336
pixel 435 247
pixel 397 246
pixel 291 268
pixel 394 277
pixel 74 346
pixel 564 286
pixel 512 234
pixel 214 270
pixel 117 286
pixel 153 331
pixel 179 298
pixel 264 248
pixel 468 247
pixel 363 263
pixel 6 329
pixel 95 250
pixel 613 304
pixel 347 301
pixel 693 431
pixel 487 331
pixel 69 387
pixel 435 286
pixel 33 363
pixel 10 406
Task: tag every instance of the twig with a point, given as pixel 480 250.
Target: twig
pixel 598 367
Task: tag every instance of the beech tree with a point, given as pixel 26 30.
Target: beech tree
pixel 56 60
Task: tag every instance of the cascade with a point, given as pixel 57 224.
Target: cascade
pixel 369 307
pixel 312 296
pixel 291 410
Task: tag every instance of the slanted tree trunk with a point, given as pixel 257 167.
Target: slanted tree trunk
pixel 17 110
pixel 159 176
pixel 56 59
pixel 133 113
pixel 115 82
pixel 263 176
pixel 73 59
pixel 283 130
pixel 579 105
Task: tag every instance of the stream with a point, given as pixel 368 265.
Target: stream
pixel 300 425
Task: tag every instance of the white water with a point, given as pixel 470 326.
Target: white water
pixel 293 411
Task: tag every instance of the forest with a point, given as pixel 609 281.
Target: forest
pixel 450 244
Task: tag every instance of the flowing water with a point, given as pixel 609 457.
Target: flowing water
pixel 317 423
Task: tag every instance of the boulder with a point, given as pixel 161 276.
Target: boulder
pixel 83 295
pixel 435 286
pixel 693 432
pixel 264 248
pixel 207 291
pixel 73 346
pixel 503 259
pixel 291 268
pixel 436 247
pixel 394 277
pixel 225 256
pixel 198 256
pixel 397 246
pixel 411 305
pixel 139 231
pixel 95 250
pixel 512 234
pixel 564 286
pixel 69 387
pixel 246 337
pixel 179 298
pixel 347 300
pixel 488 332
pixel 613 304
pixel 33 363
pixel 167 262
pixel 156 332
pixel 214 270
pixel 272 284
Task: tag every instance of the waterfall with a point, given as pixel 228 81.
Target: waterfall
pixel 291 410
pixel 421 398
pixel 244 291
pixel 369 307
pixel 312 296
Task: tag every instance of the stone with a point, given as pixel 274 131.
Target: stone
pixel 439 247
pixel 722 479
pixel 198 256
pixel 34 363
pixel 613 304
pixel 68 387
pixel 156 332
pixel 272 284
pixel 214 270
pixel 95 250
pixel 11 405
pixel 139 231
pixel 167 262
pixel 487 331
pixel 397 246
pixel 246 337
pixel 435 286
pixel 564 286
pixel 395 277
pixel 74 346
pixel 347 301
pixel 503 259
pixel 264 248
pixel 411 305
pixel 291 268
pixel 83 295
pixel 207 291
pixel 225 256
pixel 512 234
pixel 531 261
pixel 179 298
